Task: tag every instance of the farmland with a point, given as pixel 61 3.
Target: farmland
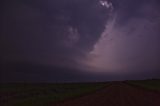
pixel 153 84
pixel 123 93
pixel 23 94
pixel 117 94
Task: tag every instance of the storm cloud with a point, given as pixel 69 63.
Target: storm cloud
pixel 130 44
pixel 51 31
pixel 114 37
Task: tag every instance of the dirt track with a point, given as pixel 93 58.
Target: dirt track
pixel 117 94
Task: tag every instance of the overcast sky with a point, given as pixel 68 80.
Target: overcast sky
pixel 110 37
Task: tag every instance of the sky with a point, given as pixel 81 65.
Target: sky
pixel 80 40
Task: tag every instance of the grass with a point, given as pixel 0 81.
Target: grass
pixel 153 84
pixel 40 94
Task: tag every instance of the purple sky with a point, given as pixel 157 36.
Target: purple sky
pixel 114 38
pixel 130 46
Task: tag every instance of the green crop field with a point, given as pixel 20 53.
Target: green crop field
pixel 153 84
pixel 15 94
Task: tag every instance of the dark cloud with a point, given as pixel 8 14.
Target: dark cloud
pixel 44 30
pixel 129 9
pixel 50 32
pixel 63 33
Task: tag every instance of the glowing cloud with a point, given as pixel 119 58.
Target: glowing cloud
pixel 106 4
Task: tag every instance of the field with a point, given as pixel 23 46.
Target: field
pixel 118 93
pixel 125 93
pixel 21 94
pixel 153 84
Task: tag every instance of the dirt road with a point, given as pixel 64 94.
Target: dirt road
pixel 117 94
